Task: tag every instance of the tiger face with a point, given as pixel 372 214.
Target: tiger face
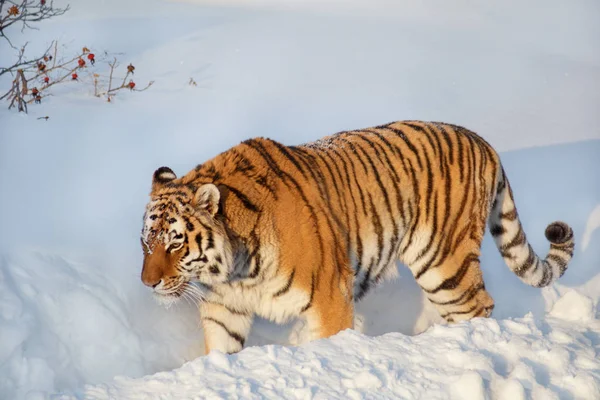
pixel 182 239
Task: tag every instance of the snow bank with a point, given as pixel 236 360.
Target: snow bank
pixel 512 359
pixel 64 323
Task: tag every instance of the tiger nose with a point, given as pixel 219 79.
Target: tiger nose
pixel 151 281
pixel 151 277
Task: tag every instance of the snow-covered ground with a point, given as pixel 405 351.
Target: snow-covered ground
pixel 73 312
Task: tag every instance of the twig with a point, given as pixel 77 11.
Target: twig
pixel 26 12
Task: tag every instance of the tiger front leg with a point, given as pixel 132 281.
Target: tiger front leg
pixel 331 308
pixel 225 329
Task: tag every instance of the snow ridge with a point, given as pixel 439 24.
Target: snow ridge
pixel 511 359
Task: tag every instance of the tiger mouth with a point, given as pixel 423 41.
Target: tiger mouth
pixel 185 290
pixel 166 299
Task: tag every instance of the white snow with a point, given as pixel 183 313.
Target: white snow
pixel 75 319
pixel 521 358
pixel 592 225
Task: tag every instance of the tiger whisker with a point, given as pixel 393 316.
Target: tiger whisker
pixel 197 300
pixel 193 290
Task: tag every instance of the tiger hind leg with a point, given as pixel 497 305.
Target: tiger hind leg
pixel 456 287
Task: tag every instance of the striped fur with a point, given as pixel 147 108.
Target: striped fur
pixel 287 231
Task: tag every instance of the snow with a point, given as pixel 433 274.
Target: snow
pixel 515 359
pixel 76 321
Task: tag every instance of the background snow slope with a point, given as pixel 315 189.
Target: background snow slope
pixel 72 308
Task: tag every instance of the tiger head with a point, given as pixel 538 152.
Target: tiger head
pixel 183 238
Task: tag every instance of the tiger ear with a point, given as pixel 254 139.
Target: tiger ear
pixel 161 176
pixel 207 197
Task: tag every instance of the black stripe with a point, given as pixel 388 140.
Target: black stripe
pixel 423 130
pixel 464 298
pixel 455 236
pixel 285 177
pixel 446 137
pixel 234 335
pixel 210 241
pixel 561 262
pixel 338 181
pixel 229 309
pixel 375 216
pixel 461 163
pixel 365 285
pixel 358 186
pixel 443 249
pixel 521 270
pixel 416 206
pixel 518 240
pixel 287 154
pixel 355 152
pixel 408 143
pixel 243 198
pixel 380 150
pixel 397 155
pixel 454 280
pixel 246 168
pixel 433 237
pixel 287 286
pixel 315 174
pixel 358 239
pixel 257 264
pixel 439 150
pixel 242 164
pixel 198 240
pixel 509 215
pixel 201 258
pixel 462 312
pixel 384 191
pixel 312 293
pixel 378 227
pixel 430 183
pixel 547 274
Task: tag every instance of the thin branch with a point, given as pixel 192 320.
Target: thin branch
pixel 26 12
pixel 22 62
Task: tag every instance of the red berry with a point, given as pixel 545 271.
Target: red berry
pixel 90 56
pixel 81 63
pixel 46 79
pixel 131 84
pixel 74 76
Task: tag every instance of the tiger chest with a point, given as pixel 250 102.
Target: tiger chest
pixel 267 299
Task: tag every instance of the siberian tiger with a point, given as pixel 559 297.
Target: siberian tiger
pixel 286 231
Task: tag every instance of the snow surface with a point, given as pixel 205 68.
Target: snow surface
pixel 511 359
pixel 73 312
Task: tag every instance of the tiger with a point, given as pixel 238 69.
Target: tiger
pixel 281 232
